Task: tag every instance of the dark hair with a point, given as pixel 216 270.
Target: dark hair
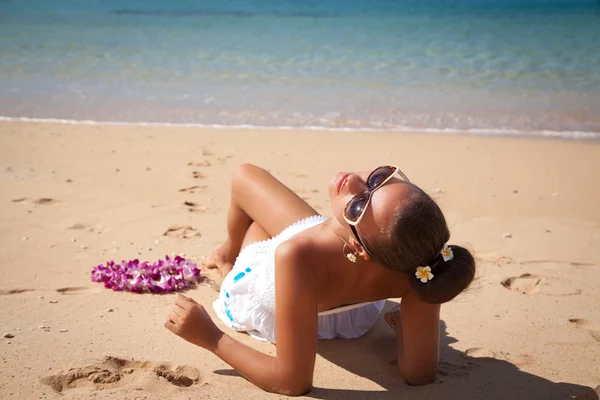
pixel 415 238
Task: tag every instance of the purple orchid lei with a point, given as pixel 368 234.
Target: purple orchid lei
pixel 162 276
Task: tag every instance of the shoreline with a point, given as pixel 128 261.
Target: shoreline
pixel 485 132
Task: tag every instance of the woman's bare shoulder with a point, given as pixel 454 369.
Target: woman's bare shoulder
pixel 299 247
pixel 304 253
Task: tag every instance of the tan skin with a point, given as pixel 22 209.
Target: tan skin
pixel 306 267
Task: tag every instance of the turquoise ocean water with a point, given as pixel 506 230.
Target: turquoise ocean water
pixel 480 66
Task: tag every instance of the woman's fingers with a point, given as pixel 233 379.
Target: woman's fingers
pixel 189 299
pixel 183 302
pixel 183 315
pixel 174 317
pixel 180 312
pixel 171 326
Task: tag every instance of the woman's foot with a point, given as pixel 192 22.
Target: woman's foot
pixel 221 260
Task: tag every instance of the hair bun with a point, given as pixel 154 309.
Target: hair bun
pixel 449 277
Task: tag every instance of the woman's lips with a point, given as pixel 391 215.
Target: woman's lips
pixel 341 181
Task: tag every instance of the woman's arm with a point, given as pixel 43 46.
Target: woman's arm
pixel 418 337
pixel 291 371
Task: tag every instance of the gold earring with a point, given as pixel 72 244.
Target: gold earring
pixel 350 256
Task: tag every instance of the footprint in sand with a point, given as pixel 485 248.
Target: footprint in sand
pixel 78 227
pixel 193 189
pixel 520 360
pixel 545 285
pixel 4 292
pixel 582 264
pixel 181 231
pixel 194 207
pixel 198 175
pixel 72 290
pixel 494 259
pixel 20 199
pixel 223 159
pixel 526 283
pixel 446 369
pixel 572 263
pixel 85 227
pixel 593 328
pixel 502 260
pixel 115 372
pixel 451 369
pixel 204 163
pixel 44 200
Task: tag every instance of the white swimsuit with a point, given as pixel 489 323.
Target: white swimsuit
pixel 247 298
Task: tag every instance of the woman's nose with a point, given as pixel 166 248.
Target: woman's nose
pixel 356 184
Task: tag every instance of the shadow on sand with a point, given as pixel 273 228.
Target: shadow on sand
pixel 459 376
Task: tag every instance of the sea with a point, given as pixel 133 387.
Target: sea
pixel 487 67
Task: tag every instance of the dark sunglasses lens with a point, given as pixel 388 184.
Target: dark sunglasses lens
pixel 356 206
pixel 378 176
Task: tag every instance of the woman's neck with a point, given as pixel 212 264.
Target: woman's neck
pixel 343 281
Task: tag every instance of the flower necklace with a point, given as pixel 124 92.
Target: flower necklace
pixel 162 276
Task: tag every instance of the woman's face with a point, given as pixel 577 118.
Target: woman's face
pixel 380 211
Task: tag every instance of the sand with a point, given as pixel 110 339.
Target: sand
pixel 74 196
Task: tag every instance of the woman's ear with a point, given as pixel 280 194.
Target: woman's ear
pixel 360 251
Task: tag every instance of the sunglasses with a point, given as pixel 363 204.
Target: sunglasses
pixel 357 206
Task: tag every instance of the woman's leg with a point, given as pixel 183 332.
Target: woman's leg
pixel 221 258
pixel 261 207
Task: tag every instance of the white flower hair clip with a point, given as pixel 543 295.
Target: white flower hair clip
pixel 424 273
pixel 447 253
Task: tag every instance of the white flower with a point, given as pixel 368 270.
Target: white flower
pixel 447 253
pixel 424 274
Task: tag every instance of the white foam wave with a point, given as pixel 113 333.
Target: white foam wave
pixel 578 135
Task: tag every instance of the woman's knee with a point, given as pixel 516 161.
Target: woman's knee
pixel 245 170
pixel 245 174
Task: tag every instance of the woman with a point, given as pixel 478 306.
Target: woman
pixel 387 239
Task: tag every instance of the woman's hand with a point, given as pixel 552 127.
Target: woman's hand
pixel 190 321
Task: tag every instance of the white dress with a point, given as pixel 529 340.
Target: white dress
pixel 247 298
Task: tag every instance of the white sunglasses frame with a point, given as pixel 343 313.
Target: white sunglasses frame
pixel 397 170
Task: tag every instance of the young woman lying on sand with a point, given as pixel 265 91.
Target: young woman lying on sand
pixel 297 272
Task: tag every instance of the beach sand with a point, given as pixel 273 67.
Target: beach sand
pixel 75 196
